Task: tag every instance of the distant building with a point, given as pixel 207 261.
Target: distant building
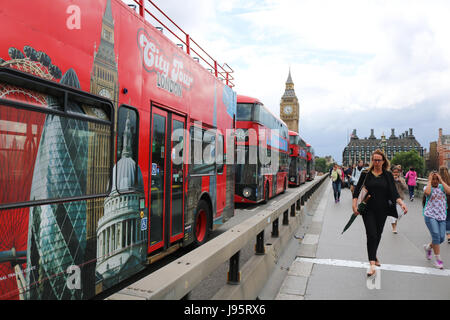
pixel 443 148
pixel 329 160
pixel 361 149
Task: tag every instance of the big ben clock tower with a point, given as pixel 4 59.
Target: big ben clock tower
pixel 104 74
pixel 104 82
pixel 289 106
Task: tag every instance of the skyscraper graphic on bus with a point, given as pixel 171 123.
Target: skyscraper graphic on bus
pixel 57 232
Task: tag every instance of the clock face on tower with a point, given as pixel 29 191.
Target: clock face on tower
pixel 105 93
pixel 287 110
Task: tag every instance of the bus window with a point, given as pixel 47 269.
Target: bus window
pixel 47 146
pixel 203 152
pixel 127 150
pixel 220 154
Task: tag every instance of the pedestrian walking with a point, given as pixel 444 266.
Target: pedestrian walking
pixel 443 172
pixel 411 179
pixel 401 170
pixel 379 182
pixel 435 213
pixel 337 178
pixel 401 186
pixel 357 173
pixel 348 177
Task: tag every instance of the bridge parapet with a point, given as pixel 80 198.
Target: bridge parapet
pixel 178 278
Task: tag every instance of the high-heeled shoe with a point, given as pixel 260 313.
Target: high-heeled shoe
pixel 372 272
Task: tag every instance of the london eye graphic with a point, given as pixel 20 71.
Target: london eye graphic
pixel 22 149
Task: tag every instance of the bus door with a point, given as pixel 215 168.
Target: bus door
pixel 167 178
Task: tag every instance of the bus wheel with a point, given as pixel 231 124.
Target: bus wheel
pixel 201 223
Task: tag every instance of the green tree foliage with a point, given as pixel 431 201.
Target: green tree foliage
pixel 410 159
pixel 322 166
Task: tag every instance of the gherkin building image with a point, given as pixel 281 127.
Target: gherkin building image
pixel 57 232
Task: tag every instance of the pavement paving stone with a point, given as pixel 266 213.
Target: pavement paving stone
pixel 307 251
pixel 294 285
pixel 323 240
pixel 283 296
pixel 300 268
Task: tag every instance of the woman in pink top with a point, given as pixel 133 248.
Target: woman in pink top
pixel 411 180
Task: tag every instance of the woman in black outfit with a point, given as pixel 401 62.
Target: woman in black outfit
pixel 379 182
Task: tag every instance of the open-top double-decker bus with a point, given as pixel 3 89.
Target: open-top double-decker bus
pixel 262 141
pixel 298 163
pixel 104 123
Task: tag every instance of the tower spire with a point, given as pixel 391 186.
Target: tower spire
pixel 289 79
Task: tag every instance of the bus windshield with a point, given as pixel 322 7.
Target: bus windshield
pixel 244 112
pixel 293 140
pixel 246 173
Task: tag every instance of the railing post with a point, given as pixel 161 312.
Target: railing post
pixel 259 247
pixel 141 8
pixel 188 45
pixel 286 218
pixel 275 232
pixel 293 210
pixel 234 275
pixel 299 206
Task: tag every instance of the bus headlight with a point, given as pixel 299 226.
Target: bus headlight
pixel 247 192
pixel 292 179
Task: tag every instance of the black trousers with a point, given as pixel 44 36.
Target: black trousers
pixel 374 223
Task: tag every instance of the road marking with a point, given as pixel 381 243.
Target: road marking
pixel 387 267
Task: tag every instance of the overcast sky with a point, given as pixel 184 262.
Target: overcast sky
pixel 356 64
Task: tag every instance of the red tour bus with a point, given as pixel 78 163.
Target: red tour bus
pixel 100 115
pixel 259 134
pixel 311 163
pixel 298 155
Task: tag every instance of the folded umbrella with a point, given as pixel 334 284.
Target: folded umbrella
pixel 361 209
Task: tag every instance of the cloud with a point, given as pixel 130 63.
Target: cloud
pixel 355 63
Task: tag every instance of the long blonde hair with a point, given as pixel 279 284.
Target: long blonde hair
pixel 443 172
pixel 386 164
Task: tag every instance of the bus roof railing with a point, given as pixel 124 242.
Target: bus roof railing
pixel 222 72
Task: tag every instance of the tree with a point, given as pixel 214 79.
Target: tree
pixel 410 159
pixel 322 165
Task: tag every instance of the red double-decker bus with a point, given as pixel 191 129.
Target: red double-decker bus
pixel 311 163
pixel 298 163
pixel 104 126
pixel 262 142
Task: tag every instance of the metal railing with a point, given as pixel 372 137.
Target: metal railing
pixel 178 278
pixel 222 72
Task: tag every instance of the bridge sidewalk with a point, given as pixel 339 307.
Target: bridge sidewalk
pixel 331 266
